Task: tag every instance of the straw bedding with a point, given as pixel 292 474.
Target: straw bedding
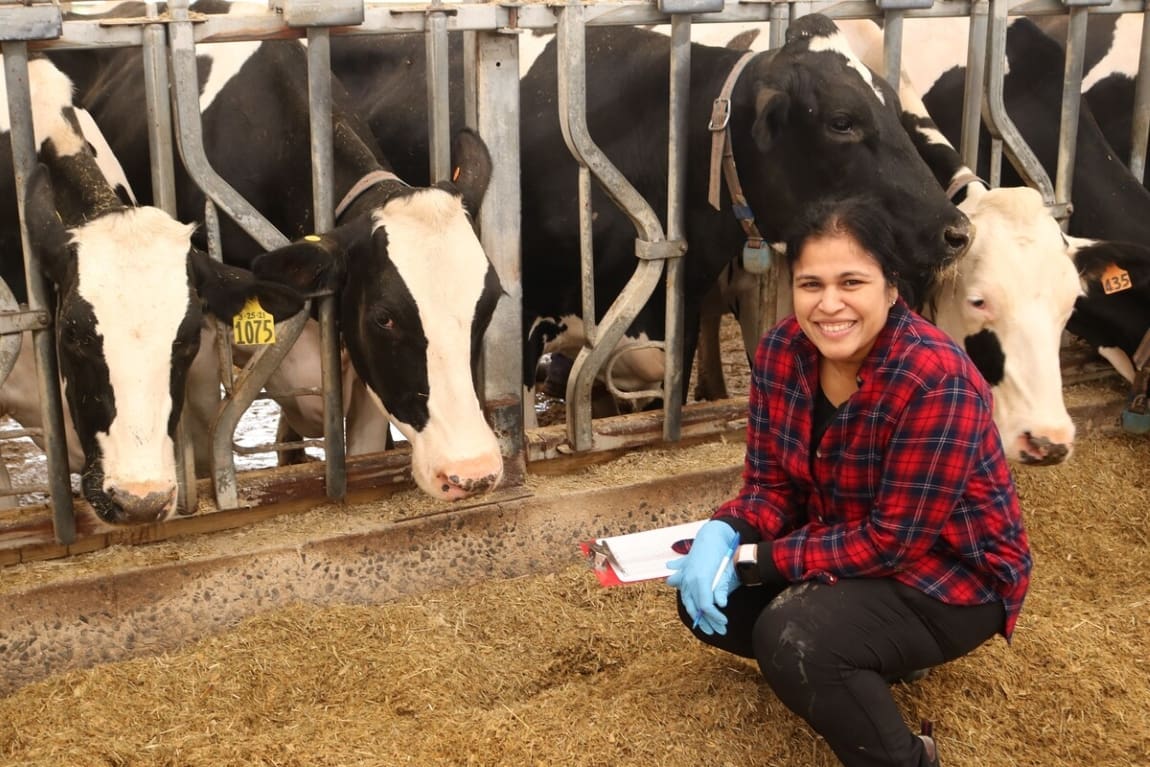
pixel 554 670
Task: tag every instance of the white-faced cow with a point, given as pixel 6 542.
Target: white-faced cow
pixel 1111 215
pixel 806 122
pixel 130 290
pixel 414 288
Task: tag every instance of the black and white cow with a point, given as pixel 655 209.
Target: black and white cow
pixel 807 121
pixel 1111 211
pixel 1111 55
pixel 415 289
pixel 130 290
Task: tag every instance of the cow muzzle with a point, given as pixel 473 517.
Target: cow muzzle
pixel 1034 450
pixel 131 503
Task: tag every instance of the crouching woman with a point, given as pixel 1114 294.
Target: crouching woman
pixel 877 532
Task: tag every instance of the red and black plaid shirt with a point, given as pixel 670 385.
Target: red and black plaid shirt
pixel 909 481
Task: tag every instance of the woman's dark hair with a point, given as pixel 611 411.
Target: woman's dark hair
pixel 861 217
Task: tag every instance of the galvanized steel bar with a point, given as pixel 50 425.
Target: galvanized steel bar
pixel 998 120
pixel 1071 102
pixel 976 48
pixel 439 107
pixel 1140 123
pixel 44 340
pixel 587 257
pixel 892 45
pixel 572 93
pixel 189 132
pixel 496 98
pixel 322 164
pixel 677 130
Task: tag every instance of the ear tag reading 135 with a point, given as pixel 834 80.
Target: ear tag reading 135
pixel 1115 279
pixel 254 326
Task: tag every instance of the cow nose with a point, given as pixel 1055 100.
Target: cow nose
pixel 1041 451
pixel 957 237
pixel 143 501
pixel 468 478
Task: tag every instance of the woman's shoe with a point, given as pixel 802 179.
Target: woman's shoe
pixel 928 744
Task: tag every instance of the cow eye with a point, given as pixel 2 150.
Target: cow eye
pixel 977 302
pixel 842 124
pixel 384 320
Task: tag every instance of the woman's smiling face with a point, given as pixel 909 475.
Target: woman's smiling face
pixel 841 297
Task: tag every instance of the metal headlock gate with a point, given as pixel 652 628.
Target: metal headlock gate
pixel 169 37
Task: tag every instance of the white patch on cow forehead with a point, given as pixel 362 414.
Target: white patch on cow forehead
pixel 51 95
pixel 433 245
pixel 1122 58
pixel 132 268
pixel 837 43
pixel 227 59
pixel 434 248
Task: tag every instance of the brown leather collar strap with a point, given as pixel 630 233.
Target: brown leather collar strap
pixel 361 186
pixel 720 120
pixel 962 180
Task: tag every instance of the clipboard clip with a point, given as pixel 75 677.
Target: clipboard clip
pixel 601 557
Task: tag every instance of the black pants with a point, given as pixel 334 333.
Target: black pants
pixel 827 652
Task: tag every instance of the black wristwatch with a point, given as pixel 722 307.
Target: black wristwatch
pixel 747 564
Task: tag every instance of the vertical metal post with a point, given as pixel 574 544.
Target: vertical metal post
pixel 1071 103
pixel 319 110
pixel 497 119
pixel 975 80
pixel 44 340
pixel 892 45
pixel 679 101
pixel 439 106
pixel 1140 123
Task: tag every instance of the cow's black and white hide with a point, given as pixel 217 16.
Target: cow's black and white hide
pixel 130 290
pixel 807 122
pixel 1110 225
pixel 414 287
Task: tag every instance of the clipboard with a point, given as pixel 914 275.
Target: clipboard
pixel 638 557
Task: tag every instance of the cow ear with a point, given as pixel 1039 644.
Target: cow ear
pixel 1122 265
pixel 770 107
pixel 316 262
pixel 49 238
pixel 470 168
pixel 225 289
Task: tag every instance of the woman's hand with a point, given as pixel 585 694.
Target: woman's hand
pixel 695 576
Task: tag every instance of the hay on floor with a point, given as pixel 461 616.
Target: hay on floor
pixel 554 670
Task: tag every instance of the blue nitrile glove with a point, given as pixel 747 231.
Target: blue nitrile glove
pixel 695 573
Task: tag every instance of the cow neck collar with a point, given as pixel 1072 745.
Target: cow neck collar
pixel 723 158
pixel 359 187
pixel 956 191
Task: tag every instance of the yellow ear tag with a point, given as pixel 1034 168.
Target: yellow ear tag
pixel 1115 279
pixel 312 237
pixel 455 174
pixel 254 326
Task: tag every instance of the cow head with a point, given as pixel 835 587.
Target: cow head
pixel 416 293
pixel 130 291
pixel 1006 302
pixel 812 121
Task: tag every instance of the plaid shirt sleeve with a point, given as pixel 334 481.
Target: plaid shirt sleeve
pixel 932 451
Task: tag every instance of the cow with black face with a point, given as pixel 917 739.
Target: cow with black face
pixel 807 121
pixel 130 292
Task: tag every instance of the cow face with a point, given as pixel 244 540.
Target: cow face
pixel 1006 302
pixel 416 293
pixel 823 125
pixel 129 295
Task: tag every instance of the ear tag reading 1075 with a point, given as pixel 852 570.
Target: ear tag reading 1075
pixel 1115 279
pixel 254 326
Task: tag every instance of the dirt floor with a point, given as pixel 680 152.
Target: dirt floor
pixel 555 670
